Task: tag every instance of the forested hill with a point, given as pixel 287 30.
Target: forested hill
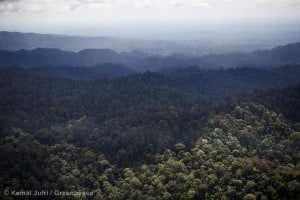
pixel 100 71
pixel 278 56
pixel 285 100
pixel 208 84
pixel 215 84
pixel 41 57
pixel 281 55
pixel 124 111
pixel 143 136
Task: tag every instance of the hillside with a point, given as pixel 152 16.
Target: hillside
pixel 142 136
pixel 207 84
pixel 100 71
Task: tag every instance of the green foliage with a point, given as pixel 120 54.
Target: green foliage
pixel 128 139
pixel 250 197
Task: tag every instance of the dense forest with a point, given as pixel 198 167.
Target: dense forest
pixel 178 133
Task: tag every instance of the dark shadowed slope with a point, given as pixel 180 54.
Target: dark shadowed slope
pixel 100 71
pixel 214 84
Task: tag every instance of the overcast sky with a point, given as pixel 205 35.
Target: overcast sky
pixel 141 17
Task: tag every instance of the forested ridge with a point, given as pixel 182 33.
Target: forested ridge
pixel 140 61
pixel 177 134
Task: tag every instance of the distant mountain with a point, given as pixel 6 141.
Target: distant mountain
pixel 54 57
pixel 278 56
pixel 40 57
pixel 281 55
pixel 13 41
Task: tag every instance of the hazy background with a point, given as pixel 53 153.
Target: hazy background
pixel 235 25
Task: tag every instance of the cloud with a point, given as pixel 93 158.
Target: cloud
pixel 41 5
pixel 147 10
pixel 8 1
pixel 9 6
pixel 72 5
